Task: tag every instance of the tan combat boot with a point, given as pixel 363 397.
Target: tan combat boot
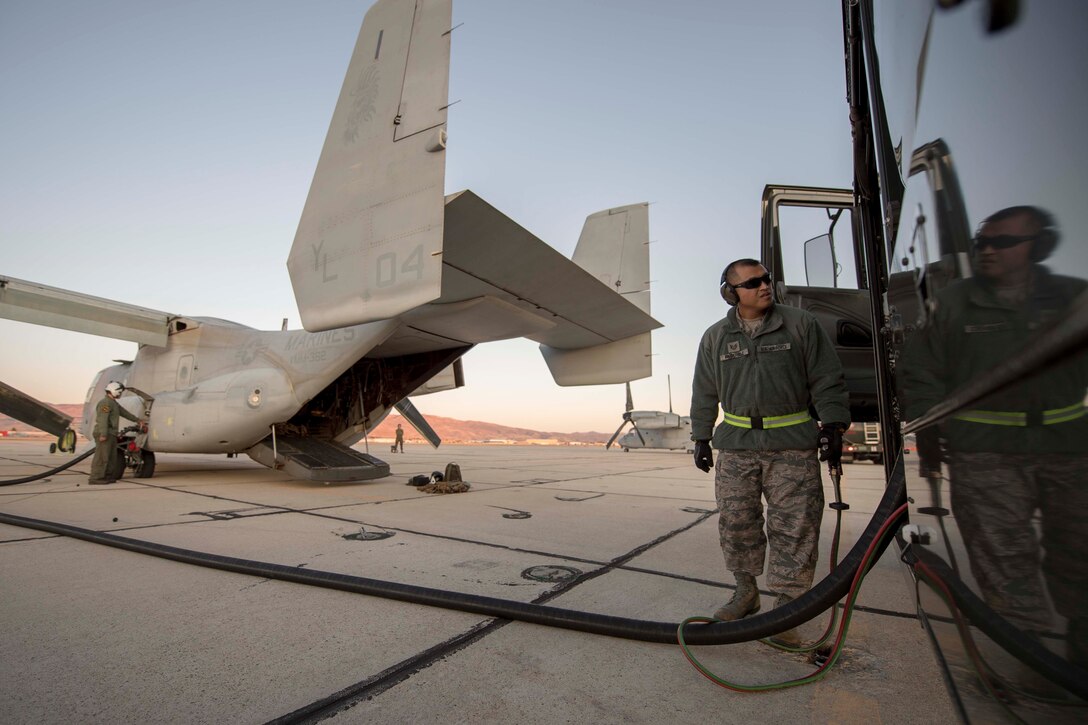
pixel 791 637
pixel 745 600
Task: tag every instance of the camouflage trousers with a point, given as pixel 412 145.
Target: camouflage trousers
pixel 790 481
pixel 995 497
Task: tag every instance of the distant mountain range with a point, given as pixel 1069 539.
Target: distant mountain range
pixel 450 430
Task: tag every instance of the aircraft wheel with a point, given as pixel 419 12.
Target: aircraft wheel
pixel 626 450
pixel 52 447
pixel 146 467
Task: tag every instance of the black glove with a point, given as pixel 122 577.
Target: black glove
pixel 704 459
pixel 830 443
pixel 930 455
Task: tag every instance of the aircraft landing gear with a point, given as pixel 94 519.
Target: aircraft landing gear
pixel 66 442
pixel 131 455
pixel 146 467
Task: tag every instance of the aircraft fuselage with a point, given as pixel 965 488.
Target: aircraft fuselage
pixel 218 387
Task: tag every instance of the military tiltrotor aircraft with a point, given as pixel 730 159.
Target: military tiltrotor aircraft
pixel 394 281
pixel 653 428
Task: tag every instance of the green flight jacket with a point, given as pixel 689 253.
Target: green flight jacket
pixel 107 416
pixel 972 331
pixel 769 374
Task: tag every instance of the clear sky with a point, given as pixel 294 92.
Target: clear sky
pixel 159 154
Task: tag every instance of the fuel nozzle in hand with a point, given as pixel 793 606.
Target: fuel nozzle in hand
pixel 830 445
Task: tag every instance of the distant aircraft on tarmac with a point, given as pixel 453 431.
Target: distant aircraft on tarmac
pixel 653 428
pixel 394 282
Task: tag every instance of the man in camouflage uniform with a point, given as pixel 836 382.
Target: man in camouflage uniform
pixel 767 366
pixel 107 417
pixel 1020 450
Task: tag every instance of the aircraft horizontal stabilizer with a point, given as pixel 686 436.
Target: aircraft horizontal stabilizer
pixel 53 307
pixel 489 254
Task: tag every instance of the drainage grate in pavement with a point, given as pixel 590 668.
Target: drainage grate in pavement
pixel 550 573
pixel 364 535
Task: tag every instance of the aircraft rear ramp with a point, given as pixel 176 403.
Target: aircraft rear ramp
pixel 313 459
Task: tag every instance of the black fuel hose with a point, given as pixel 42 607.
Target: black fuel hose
pixel 1007 636
pixel 820 598
pixel 50 472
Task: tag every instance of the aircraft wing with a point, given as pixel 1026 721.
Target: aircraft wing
pixel 54 307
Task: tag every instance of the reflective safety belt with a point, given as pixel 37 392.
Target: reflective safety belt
pixel 1000 417
pixel 758 422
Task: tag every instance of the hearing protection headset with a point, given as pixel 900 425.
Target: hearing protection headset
pixel 729 292
pixel 1046 239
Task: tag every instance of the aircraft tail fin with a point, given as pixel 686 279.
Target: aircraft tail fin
pixel 369 243
pixel 614 248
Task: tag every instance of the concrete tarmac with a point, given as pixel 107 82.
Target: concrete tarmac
pixel 95 634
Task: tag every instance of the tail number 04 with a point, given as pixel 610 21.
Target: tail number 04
pixel 387 271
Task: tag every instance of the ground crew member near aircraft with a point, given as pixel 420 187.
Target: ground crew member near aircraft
pixel 1021 449
pixel 767 366
pixel 107 415
pixel 399 440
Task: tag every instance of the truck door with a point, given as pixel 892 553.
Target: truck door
pixel 810 247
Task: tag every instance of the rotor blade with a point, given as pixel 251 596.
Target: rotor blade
pixel 33 412
pixel 669 379
pixel 413 416
pixel 615 435
pixel 635 426
pixel 630 405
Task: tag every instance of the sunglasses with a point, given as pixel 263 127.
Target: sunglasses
pixel 754 282
pixel 1001 241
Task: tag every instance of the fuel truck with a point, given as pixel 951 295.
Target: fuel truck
pixel 951 278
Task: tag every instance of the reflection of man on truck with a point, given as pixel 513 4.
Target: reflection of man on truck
pixel 1020 449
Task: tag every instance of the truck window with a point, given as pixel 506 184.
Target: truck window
pixel 817 250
